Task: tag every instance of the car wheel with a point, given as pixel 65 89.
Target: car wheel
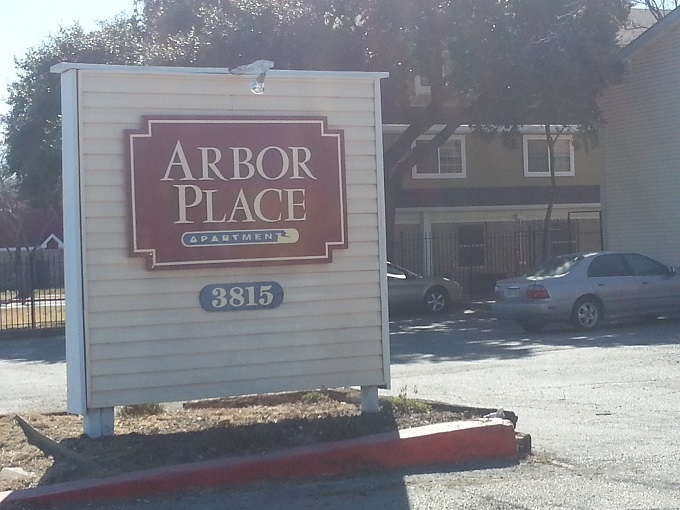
pixel 531 325
pixel 587 313
pixel 436 300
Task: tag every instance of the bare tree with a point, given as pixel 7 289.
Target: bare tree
pixel 660 8
pixel 15 213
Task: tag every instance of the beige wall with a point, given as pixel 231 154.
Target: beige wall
pixel 641 186
pixel 490 163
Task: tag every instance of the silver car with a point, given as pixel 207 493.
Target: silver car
pixel 432 293
pixel 587 288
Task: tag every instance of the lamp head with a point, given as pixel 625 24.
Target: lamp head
pixel 257 87
pixel 259 67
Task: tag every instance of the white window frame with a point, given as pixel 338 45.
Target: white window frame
pixel 525 148
pixel 445 175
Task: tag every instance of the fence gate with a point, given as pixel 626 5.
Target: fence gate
pixel 31 290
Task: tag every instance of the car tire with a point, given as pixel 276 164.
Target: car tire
pixel 436 300
pixel 587 313
pixel 531 325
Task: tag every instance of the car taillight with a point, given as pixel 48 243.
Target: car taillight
pixel 537 292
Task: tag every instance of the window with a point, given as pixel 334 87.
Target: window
pixel 395 272
pixel 608 265
pixel 448 162
pixel 423 81
pixel 536 157
pixel 557 266
pixel 644 266
pixel 471 245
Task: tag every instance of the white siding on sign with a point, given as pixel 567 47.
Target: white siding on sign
pixel 147 339
pixel 642 165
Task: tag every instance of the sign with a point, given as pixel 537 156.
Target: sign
pixel 230 297
pixel 209 191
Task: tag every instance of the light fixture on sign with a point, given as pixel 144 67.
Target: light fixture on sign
pixel 259 67
pixel 257 87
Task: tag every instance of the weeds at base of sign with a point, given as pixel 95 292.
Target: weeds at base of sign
pixel 136 410
pixel 154 435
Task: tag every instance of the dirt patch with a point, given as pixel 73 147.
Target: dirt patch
pixel 199 431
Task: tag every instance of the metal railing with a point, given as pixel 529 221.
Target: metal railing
pixel 477 259
pixel 31 290
pixel 32 282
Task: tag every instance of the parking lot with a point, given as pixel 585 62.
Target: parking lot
pixel 602 404
pixel 602 410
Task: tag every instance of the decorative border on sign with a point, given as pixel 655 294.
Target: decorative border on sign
pixel 148 123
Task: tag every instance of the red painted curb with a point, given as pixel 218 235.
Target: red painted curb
pixel 433 444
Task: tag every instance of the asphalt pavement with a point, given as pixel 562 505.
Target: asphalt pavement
pixel 32 375
pixel 601 409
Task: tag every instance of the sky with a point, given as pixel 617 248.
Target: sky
pixel 28 23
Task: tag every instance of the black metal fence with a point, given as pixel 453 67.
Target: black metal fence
pixel 476 256
pixel 31 290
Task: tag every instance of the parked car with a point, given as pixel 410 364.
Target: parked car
pixel 587 288
pixel 432 293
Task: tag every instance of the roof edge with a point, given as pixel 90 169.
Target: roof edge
pixel 170 70
pixel 651 33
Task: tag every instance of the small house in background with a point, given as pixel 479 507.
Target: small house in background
pixel 39 238
pixel 36 229
pixel 641 164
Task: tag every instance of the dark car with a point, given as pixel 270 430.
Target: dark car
pixel 431 293
pixel 587 288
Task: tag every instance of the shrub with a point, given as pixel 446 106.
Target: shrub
pixel 140 410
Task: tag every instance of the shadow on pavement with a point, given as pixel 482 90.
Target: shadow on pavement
pixel 473 334
pixel 27 350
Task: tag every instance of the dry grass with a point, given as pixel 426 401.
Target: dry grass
pixel 55 294
pixel 45 312
pixel 203 430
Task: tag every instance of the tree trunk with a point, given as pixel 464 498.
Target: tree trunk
pixel 21 275
pixel 391 197
pixel 546 250
pixel 402 157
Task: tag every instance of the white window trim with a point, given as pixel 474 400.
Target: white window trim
pixel 525 148
pixel 461 175
pixel 422 88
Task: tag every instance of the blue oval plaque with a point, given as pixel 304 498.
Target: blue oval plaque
pixel 231 297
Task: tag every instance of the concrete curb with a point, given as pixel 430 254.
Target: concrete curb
pixel 429 445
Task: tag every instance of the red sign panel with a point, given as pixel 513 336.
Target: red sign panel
pixel 236 191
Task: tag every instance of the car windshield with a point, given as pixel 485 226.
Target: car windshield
pixel 556 266
pixel 399 272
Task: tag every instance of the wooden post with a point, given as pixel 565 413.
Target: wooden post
pixel 98 422
pixel 369 399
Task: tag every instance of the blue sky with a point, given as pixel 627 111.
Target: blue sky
pixel 27 23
